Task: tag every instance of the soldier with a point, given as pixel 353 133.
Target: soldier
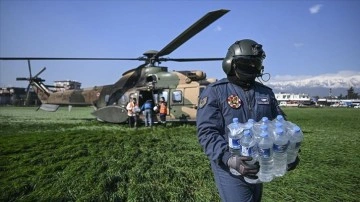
pixel 132 109
pixel 238 95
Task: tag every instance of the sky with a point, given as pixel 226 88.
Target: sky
pixel 300 38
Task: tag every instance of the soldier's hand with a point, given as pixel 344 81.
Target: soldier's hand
pixel 293 165
pixel 239 163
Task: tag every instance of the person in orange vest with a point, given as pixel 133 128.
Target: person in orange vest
pixel 132 108
pixel 162 110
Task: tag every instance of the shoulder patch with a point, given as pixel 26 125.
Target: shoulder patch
pixel 203 102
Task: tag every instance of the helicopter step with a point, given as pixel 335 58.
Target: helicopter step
pixel 112 114
pixel 49 107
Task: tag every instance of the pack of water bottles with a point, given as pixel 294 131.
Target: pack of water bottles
pixel 272 143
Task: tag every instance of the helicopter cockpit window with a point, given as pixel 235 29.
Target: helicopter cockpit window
pixel 177 97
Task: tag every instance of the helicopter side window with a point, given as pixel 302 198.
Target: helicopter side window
pixel 123 100
pixel 107 98
pixel 177 97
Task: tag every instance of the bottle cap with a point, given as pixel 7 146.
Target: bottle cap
pixel 235 120
pixel 251 121
pixel 279 131
pixel 279 117
pixel 264 119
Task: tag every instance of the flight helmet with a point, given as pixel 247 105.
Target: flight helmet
pixel 246 56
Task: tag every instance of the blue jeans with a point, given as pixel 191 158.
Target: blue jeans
pixel 234 188
pixel 148 117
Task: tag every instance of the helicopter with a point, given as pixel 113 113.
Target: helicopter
pixel 149 80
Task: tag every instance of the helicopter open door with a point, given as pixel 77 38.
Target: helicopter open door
pixel 155 96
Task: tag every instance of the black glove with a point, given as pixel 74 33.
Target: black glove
pixel 239 164
pixel 293 165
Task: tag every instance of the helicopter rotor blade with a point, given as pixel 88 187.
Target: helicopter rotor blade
pixel 195 28
pixel 151 57
pixel 22 79
pixel 41 71
pixel 27 95
pixel 190 59
pixel 29 65
pixel 55 58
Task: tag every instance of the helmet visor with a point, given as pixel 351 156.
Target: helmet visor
pixel 249 64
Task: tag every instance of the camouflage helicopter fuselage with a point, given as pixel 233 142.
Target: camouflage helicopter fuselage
pixel 180 89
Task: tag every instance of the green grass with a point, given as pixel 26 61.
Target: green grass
pixel 69 156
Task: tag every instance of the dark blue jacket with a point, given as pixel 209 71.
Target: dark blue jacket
pixel 216 111
pixel 146 105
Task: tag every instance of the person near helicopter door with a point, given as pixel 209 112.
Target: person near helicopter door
pixel 147 109
pixel 132 109
pixel 162 110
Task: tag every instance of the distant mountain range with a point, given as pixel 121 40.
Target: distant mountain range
pixel 317 85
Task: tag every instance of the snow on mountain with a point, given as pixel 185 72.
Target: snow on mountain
pixel 317 85
pixel 345 79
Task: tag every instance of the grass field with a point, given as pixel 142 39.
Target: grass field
pixel 69 156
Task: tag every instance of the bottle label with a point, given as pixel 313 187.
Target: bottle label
pixel 280 148
pixel 265 153
pixel 246 151
pixel 234 143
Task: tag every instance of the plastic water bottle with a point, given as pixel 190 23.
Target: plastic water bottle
pixel 280 119
pixel 234 140
pixel 265 158
pixel 247 143
pixel 295 138
pixel 235 134
pixel 281 142
pixel 257 126
pixel 250 126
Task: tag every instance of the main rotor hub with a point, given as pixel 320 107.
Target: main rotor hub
pixel 150 53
